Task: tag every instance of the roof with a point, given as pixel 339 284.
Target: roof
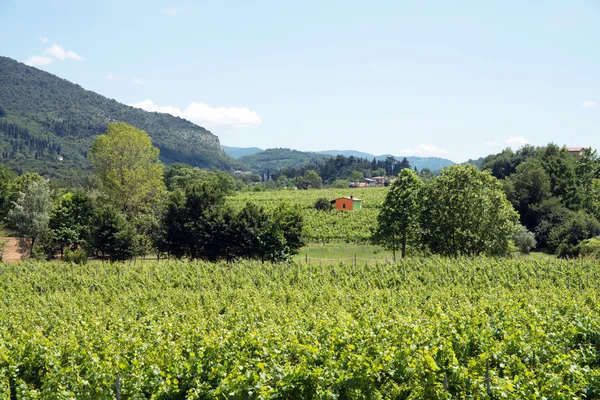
pixel 347 198
pixel 575 149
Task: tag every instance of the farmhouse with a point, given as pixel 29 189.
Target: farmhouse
pixel 576 151
pixel 347 203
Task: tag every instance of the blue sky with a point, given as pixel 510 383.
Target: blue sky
pixel 456 79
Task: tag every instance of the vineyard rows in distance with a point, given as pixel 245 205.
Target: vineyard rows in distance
pixel 320 226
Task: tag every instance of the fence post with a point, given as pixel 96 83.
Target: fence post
pixel 118 387
pixel 306 258
pixel 487 378
pixel 355 259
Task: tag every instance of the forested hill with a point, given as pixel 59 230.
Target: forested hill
pixel 48 125
pixel 275 159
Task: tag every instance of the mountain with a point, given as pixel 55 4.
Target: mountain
pixel 433 163
pixel 239 152
pixel 48 125
pixel 276 159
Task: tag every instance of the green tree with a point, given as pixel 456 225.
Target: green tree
pixel 30 213
pixel 128 166
pixel 467 213
pixel 398 219
pixel 310 180
pixel 340 184
pixel 113 236
pixel 527 188
pixel 71 222
pixel 322 204
pixel 565 239
pixel 6 181
pixel 355 176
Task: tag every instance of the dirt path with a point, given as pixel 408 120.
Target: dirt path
pixel 11 252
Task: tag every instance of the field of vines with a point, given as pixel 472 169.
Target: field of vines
pixel 421 329
pixel 333 226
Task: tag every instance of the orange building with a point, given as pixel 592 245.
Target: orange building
pixel 347 203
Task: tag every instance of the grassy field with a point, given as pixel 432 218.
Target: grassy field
pixel 335 252
pixel 422 329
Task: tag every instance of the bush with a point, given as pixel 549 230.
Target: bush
pixel 565 239
pixel 524 240
pixel 340 184
pixel 590 248
pixel 77 256
pixel 322 204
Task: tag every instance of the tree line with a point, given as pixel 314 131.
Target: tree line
pixel 537 196
pixel 131 206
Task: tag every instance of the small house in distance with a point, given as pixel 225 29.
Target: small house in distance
pixel 347 203
pixel 576 151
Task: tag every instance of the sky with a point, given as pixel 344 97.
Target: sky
pixel 458 80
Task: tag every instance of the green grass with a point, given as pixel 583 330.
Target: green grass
pixel 6 232
pixel 343 252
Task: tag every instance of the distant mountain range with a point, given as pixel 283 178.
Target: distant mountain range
pixel 274 159
pixel 48 125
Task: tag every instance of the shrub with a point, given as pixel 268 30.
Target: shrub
pixel 524 240
pixel 590 248
pixel 77 256
pixel 322 204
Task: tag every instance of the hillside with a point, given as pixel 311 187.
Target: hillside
pixel 275 159
pixel 48 124
pixel 433 163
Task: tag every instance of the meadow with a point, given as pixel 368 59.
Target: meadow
pixel 420 329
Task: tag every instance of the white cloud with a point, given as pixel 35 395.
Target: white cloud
pixel 171 12
pixel 59 53
pixel 202 113
pixel 423 149
pixel 111 77
pixel 138 81
pixel 588 104
pixel 516 141
pixel 44 39
pixel 39 61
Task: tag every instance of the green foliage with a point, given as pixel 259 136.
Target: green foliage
pixel 466 213
pixel 183 176
pixel 422 329
pixel 524 240
pixel 128 167
pixel 339 184
pixel 30 213
pixel 198 224
pixel 76 256
pixel 323 204
pixel 6 183
pixel 310 180
pixel 399 217
pixel 590 248
pixel 565 238
pixel 527 188
pixel 113 237
pixel 70 222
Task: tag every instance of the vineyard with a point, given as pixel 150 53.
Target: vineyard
pixel 321 226
pixel 422 329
